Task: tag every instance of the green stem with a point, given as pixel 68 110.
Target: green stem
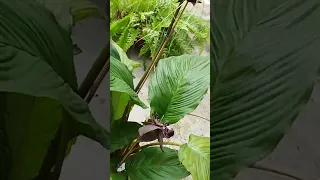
pixel 49 161
pixel 95 71
pixel 98 81
pixel 198 116
pixel 144 146
pixel 174 22
pixel 63 145
pixel 157 144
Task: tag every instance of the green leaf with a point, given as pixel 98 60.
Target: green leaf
pixel 119 54
pixel 118 176
pixel 38 81
pixel 178 85
pixel 121 81
pixel 31 124
pixel 61 10
pixel 152 163
pixel 119 101
pixel 82 9
pixel 5 152
pixel 195 156
pixel 123 133
pixel 114 175
pixel 263 72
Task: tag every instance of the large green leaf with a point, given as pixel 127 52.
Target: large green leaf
pixel 61 9
pixel 30 131
pixel 118 176
pixel 121 87
pixel 152 163
pixel 178 85
pixel 195 156
pixel 38 83
pixel 265 56
pixel 123 133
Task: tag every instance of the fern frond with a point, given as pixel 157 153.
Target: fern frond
pixel 117 27
pixel 127 38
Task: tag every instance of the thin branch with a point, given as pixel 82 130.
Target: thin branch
pixel 98 81
pixel 157 57
pixel 198 116
pixel 157 144
pixel 49 161
pixel 63 145
pixel 95 71
pixel 144 146
pixel 276 171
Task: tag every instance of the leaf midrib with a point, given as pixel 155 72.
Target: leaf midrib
pixel 177 88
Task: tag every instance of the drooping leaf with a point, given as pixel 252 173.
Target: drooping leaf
pixel 152 163
pixel 31 125
pixel 61 10
pixel 178 85
pixel 82 9
pixel 123 133
pixel 195 156
pixel 121 87
pixel 258 57
pixel 119 54
pixel 39 82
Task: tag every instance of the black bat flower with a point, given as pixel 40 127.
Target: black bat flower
pixel 153 130
pixel 193 2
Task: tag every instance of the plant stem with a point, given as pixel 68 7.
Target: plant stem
pixel 98 81
pixel 163 44
pixel 94 71
pixel 130 149
pixel 276 171
pixel 49 160
pixel 63 144
pixel 144 146
pixel 195 115
pixel 157 144
pixel 171 24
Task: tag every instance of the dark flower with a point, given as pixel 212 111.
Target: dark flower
pixel 153 130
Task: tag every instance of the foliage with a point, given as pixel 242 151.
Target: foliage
pixel 143 23
pixel 195 156
pixel 258 60
pixel 178 83
pixel 38 85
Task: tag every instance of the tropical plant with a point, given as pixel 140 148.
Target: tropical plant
pixel 265 58
pixel 144 23
pixel 41 108
pixel 176 87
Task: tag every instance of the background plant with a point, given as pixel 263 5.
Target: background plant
pixel 255 68
pixel 42 111
pixel 172 95
pixel 144 23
